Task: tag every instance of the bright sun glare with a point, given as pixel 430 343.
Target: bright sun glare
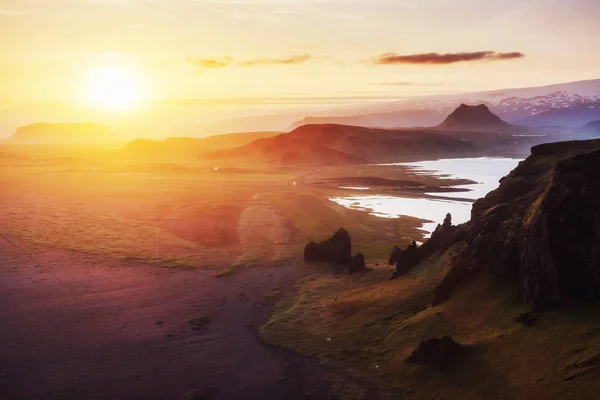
pixel 113 87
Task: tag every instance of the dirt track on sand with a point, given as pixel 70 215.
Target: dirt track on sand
pixel 121 331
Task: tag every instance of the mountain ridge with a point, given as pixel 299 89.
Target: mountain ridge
pixel 189 148
pixel 330 144
pixel 512 105
pixel 62 133
pixel 475 118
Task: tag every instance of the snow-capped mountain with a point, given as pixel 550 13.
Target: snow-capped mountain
pixel 563 106
pixel 516 108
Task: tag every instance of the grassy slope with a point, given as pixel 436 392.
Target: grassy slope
pixel 375 323
pixel 113 215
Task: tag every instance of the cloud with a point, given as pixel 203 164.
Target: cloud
pixel 297 59
pixel 440 59
pixel 215 63
pixel 210 63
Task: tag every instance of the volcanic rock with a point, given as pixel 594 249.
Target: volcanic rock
pixel 474 118
pixel 337 249
pixel 440 239
pixel 540 228
pixel 357 264
pixel 404 259
pixel 436 352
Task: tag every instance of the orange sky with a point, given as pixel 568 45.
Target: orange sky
pixel 261 48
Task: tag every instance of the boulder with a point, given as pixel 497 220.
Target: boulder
pixel 436 352
pixel 357 264
pixel 337 249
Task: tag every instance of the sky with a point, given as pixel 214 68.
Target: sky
pixel 219 49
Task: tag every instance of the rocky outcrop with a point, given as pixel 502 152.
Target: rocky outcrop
pixel 561 251
pixel 412 255
pixel 337 249
pixel 404 259
pixel 357 264
pixel 436 352
pixel 540 228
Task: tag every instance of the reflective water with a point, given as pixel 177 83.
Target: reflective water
pixel 354 187
pixel 485 171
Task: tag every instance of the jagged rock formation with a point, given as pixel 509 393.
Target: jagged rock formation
pixel 357 264
pixel 436 351
pixel 540 228
pixel 412 255
pixel 337 249
pixel 404 259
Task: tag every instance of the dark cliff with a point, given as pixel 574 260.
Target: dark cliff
pixel 540 228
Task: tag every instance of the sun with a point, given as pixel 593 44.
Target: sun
pixel 113 87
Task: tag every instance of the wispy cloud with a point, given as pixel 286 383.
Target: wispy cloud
pixel 215 63
pixel 447 58
pixel 210 63
pixel 297 59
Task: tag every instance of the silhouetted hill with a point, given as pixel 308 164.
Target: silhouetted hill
pixel 397 119
pixel 179 148
pixel 331 144
pixel 63 133
pixel 539 228
pixel 475 118
pixel 592 128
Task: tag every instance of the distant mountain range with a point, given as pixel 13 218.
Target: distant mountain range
pixel 568 118
pixel 468 130
pixel 66 133
pixel 186 148
pixel 331 144
pixel 563 106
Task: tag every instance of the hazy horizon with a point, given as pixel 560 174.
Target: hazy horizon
pixel 186 113
pixel 279 47
pixel 151 67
